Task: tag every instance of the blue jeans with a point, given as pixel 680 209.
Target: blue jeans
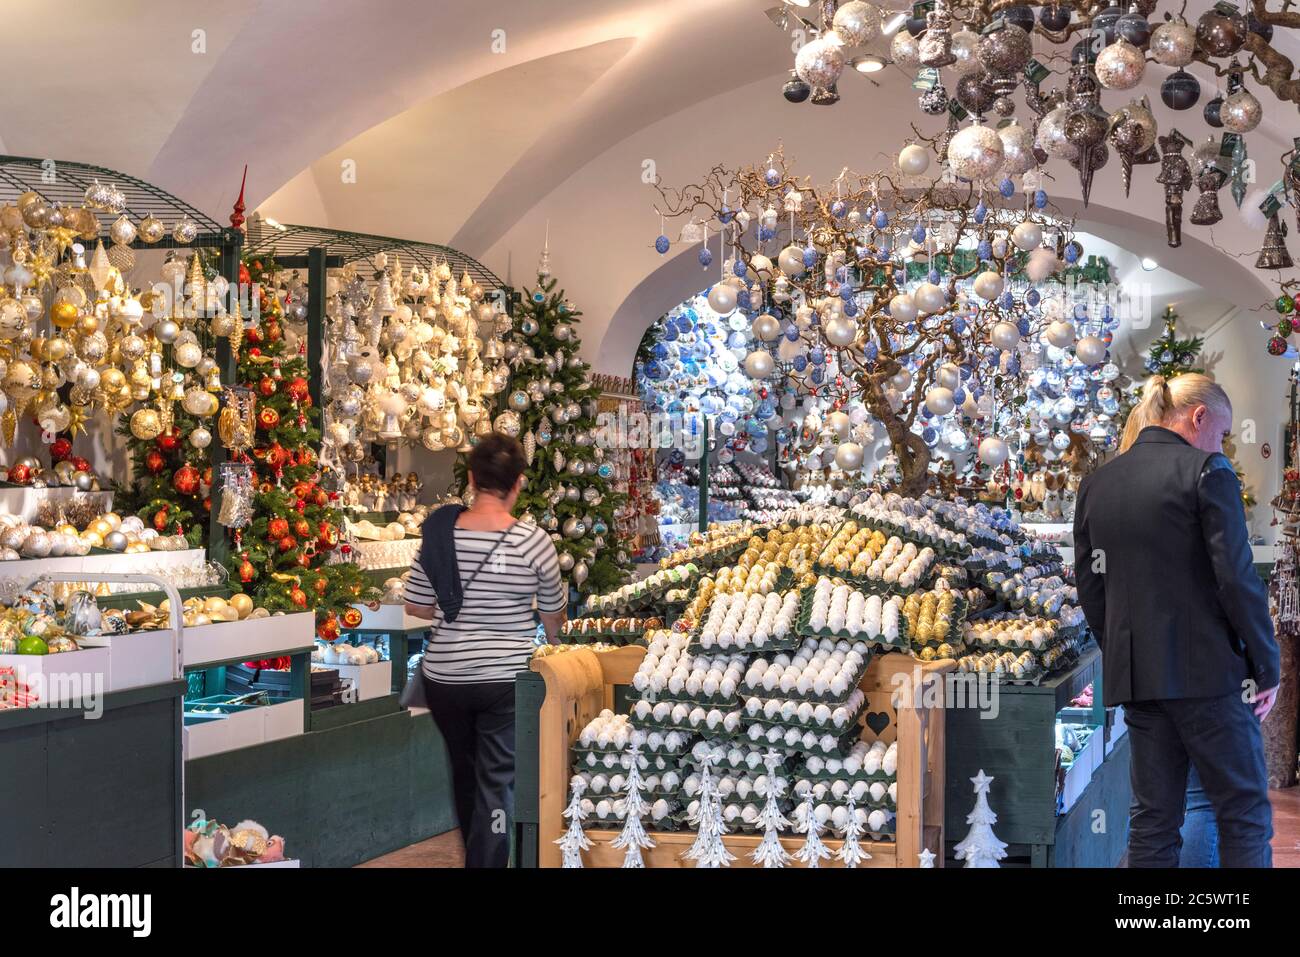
pixel 1200 833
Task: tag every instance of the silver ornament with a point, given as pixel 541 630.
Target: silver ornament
pixel 1120 66
pixel 975 153
pixel 1017 149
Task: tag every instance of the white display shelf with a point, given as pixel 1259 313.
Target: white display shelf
pixel 65 678
pixel 389 617
pixel 26 568
pixel 374 680
pixel 136 660
pixel 244 729
pixel 25 502
pixel 249 639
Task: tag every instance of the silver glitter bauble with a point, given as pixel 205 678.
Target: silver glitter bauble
pixel 905 51
pixel 934 102
pixel 1017 149
pixel 1173 43
pixel 975 153
pixel 1120 66
pixel 507 423
pixel 964 46
pixel 1051 137
pixel 820 62
pixel 1004 51
pixel 1241 112
pixel 973 92
pixel 857 22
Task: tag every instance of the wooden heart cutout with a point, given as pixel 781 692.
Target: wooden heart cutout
pixel 877 721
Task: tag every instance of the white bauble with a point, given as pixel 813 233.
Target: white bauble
pixel 964 45
pixel 857 22
pixel 722 299
pixel 939 400
pixel 993 451
pixel 848 456
pixel 840 424
pixel 948 376
pixel 819 62
pixel 913 160
pixel 1090 350
pixel 791 261
pixel 759 364
pixel 975 152
pixel 766 327
pixel 901 380
pixel 905 50
pixel 760 264
pixel 988 284
pixel 840 331
pixel 1017 149
pixel 1004 335
pixel 1061 334
pixel 1027 235
pixel 903 307
pixel 929 298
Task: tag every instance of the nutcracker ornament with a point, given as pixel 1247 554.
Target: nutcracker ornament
pixel 1176 177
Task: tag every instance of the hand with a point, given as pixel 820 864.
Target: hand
pixel 1264 702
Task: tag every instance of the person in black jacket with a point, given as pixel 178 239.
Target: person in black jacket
pixel 1169 589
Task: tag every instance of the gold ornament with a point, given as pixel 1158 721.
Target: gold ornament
pixel 146 424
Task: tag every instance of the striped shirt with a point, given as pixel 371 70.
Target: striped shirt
pixel 492 637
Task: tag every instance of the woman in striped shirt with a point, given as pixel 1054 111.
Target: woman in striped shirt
pixel 483 579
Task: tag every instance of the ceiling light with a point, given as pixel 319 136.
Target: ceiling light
pixel 1149 264
pixel 893 23
pixel 799 3
pixel 868 63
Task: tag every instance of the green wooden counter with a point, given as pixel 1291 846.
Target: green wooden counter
pixel 81 791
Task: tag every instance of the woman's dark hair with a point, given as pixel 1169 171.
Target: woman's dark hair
pixel 496 463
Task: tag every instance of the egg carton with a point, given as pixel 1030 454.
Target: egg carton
pixel 842 742
pixel 831 700
pixel 826 777
pixel 854 717
pixel 957 619
pixel 649 724
pixel 791 641
pixel 783 768
pixel 670 822
pixel 801 625
pixel 906 534
pixel 589 760
pixel 700 700
pixel 867 803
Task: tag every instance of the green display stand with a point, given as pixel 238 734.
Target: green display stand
pixel 78 791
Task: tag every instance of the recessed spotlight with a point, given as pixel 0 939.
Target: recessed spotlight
pixel 798 3
pixel 893 23
pixel 1149 264
pixel 868 63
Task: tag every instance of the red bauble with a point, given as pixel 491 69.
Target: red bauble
pixel 322 585
pixel 327 537
pixel 245 277
pixel 186 480
pixel 254 351
pixel 351 617
pixel 246 571
pixel 60 449
pixel 168 440
pixel 277 456
pixel 297 389
pixel 288 543
pixel 298 597
pixel 266 386
pixel 20 474
pixel 80 464
pixel 304 560
pixel 267 417
pixel 301 489
pixel 306 456
pixel 328 629
pixel 321 497
pixel 272 332
pixel 254 336
pixel 160 519
pixel 277 528
pixel 302 528
pixel 154 461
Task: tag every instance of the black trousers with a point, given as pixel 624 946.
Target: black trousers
pixel 477 722
pixel 1220 737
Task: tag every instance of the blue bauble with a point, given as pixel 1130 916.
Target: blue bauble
pixel 765 233
pixel 881 219
pixel 1013 365
pixel 850 308
pixel 1072 252
pixel 800 363
pixel 792 332
pixel 985 249
pixel 959 396
pixel 958 325
pixel 539 296
pixel 706 257
pixel 918 234
pixel 818 375
pixel 1007 188
pixel 659 350
pixel 981 213
pixel 839 209
pixel 661 245
pixel 1032 297
pixel 933 276
pixel 771 177
pixel 1008 300
pixel 817 355
pixel 1023 325
pixel 1040 198
pixel 870 351
pixel 930 436
pixel 727 215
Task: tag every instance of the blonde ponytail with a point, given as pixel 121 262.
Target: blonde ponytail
pixel 1162 399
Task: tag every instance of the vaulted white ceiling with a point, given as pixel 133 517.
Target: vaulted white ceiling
pixel 482 123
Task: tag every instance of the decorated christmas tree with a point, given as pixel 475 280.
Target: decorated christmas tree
pixel 168 438
pixel 1170 355
pixel 285 554
pixel 551 407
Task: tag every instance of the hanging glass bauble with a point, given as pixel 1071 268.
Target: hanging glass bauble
pixel 1241 112
pixel 1221 32
pixel 973 93
pixel 1051 136
pixel 507 423
pixel 1017 149
pixel 1173 43
pixel 1120 66
pixel 975 153
pixel 1004 51
pixel 819 62
pixel 152 229
pixel 519 400
pixel 857 22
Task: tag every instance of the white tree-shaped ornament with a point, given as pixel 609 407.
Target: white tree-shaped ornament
pixel 633 836
pixel 813 850
pixel 709 849
pixel 770 851
pixel 981 847
pixel 574 841
pixel 851 852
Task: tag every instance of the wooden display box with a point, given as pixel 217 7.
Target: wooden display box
pixel 580 683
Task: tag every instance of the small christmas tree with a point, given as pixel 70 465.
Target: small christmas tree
pixel 575 840
pixel 551 407
pixel 633 836
pixel 981 847
pixel 709 849
pixel 813 850
pixel 851 852
pixel 770 851
pixel 1171 355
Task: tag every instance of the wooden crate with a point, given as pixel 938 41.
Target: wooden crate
pixel 580 683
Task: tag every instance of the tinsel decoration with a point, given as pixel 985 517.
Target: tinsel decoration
pixel 237 424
